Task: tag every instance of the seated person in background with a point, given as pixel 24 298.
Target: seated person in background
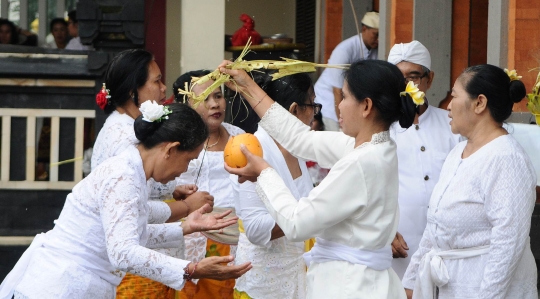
pixel 208 174
pixel 279 270
pixel 73 29
pixel 59 30
pixel 11 34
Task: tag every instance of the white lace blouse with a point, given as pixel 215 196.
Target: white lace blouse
pixel 114 137
pixel 485 199
pixel 104 221
pixel 214 179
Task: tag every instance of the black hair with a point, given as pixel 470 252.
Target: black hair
pixel 57 21
pixel 495 85
pixel 72 15
pixel 14 35
pixel 184 125
pixel 127 72
pixel 297 88
pixel 182 80
pixel 382 82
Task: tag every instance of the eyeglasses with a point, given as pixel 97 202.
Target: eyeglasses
pixel 316 107
pixel 415 78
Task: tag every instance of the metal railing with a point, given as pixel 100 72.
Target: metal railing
pixel 31 114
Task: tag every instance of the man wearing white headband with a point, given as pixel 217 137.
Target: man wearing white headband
pixel 421 151
pixel 358 47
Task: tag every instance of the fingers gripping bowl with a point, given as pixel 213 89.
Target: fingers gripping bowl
pixel 233 155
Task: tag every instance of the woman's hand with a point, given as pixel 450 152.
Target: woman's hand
pixel 250 172
pixel 215 267
pixel 200 220
pixel 399 247
pixel 241 78
pixel 409 293
pixel 183 191
pixel 198 199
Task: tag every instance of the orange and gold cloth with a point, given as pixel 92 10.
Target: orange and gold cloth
pixel 209 288
pixel 133 286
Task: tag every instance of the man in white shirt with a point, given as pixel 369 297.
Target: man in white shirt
pixel 421 151
pixel 73 29
pixel 328 86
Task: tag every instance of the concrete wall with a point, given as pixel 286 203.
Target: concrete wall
pixel 360 7
pixel 172 43
pixel 202 34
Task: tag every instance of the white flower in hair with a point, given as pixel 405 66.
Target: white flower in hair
pixel 152 111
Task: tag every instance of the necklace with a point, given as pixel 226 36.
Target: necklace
pixel 211 145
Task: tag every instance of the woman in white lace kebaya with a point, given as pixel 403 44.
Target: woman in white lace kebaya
pixel 208 173
pixel 132 78
pixel 353 212
pixel 476 243
pixel 102 231
pixel 279 270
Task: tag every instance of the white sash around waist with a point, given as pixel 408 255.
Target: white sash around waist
pixel 92 263
pixel 328 251
pixel 432 270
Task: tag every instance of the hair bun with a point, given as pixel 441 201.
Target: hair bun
pixel 408 111
pixel 517 91
pixel 144 129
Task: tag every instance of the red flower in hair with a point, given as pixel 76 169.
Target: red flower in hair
pixel 102 98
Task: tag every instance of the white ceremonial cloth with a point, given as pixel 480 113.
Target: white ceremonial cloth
pixel 214 179
pixel 278 269
pixel 528 137
pixel 485 199
pixel 327 251
pixel 413 52
pixel 346 52
pixel 102 232
pixel 421 151
pixel 355 205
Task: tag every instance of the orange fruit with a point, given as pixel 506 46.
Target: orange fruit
pixel 233 155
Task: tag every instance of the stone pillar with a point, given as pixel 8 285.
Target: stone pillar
pixel 360 7
pixel 202 40
pixel 497 43
pixel 432 26
pixel 172 43
pixel 385 28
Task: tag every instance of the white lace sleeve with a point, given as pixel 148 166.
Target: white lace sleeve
pixel 510 196
pixel 120 206
pixel 412 270
pixel 166 235
pixel 258 223
pixel 158 212
pixel 325 148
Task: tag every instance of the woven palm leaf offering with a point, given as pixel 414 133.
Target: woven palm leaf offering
pixel 534 100
pixel 284 68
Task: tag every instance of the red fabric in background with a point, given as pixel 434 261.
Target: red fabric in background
pixel 241 36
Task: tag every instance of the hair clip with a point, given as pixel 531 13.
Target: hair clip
pixel 415 93
pixel 153 112
pixel 103 96
pixel 512 75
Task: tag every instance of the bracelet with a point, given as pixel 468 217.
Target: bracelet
pixel 265 95
pixel 188 211
pixel 188 276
